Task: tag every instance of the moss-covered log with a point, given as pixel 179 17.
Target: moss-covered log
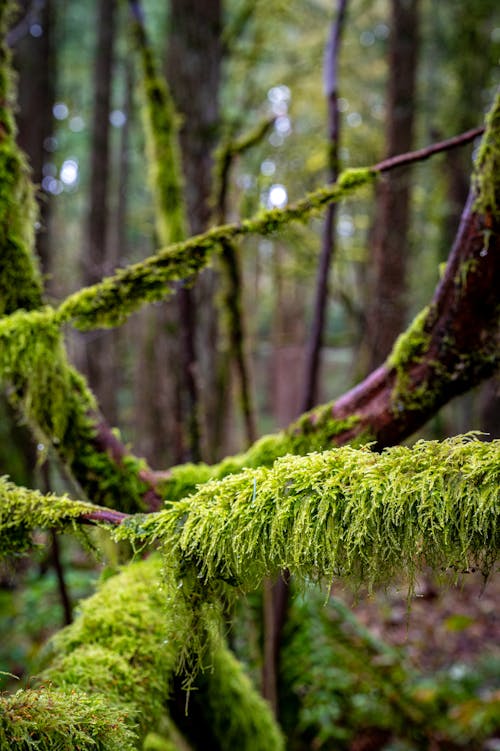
pixel 120 655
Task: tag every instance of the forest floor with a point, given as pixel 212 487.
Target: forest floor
pixel 441 625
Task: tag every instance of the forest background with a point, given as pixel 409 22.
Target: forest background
pixel 247 81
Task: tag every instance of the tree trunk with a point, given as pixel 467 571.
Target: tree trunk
pixel 193 70
pixel 100 346
pixel 386 315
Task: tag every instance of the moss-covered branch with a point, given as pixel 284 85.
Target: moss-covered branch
pixel 345 512
pixel 112 300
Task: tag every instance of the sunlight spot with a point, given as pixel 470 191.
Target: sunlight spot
pixel 268 167
pixel 60 111
pixel 354 119
pixel 118 118
pixel 278 196
pixel 69 172
pixel 76 124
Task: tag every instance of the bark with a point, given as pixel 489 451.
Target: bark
pixel 100 360
pixel 463 346
pixel 314 344
pixel 387 308
pixel 193 71
pixel 34 60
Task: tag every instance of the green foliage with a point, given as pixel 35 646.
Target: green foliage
pixel 52 720
pixel 338 678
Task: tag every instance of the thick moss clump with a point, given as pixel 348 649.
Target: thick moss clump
pixel 54 720
pixel 121 652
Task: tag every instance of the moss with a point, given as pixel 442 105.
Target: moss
pixel 164 162
pixel 20 283
pixel 408 349
pixel 52 720
pixel 487 166
pixel 313 431
pixel 59 407
pixel 345 512
pixel 23 510
pixel 123 649
pixel 238 715
pixel 112 300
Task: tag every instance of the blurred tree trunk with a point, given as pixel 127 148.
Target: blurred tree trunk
pixel 100 359
pixel 35 64
pixel 33 58
pixel 386 309
pixel 194 54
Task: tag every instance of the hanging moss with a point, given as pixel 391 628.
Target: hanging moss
pixel 346 512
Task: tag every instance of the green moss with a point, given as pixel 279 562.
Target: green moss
pixel 487 167
pixel 161 126
pixel 52 720
pixel 125 645
pixel 112 300
pixel 238 715
pixel 20 283
pixel 408 349
pixel 22 511
pixel 61 410
pixel 345 512
pixel 313 431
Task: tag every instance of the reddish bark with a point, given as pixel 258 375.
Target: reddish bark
pixel 464 333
